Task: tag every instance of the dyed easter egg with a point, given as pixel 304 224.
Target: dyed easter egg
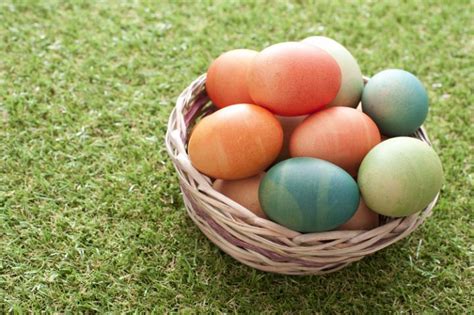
pixel 292 78
pixel 397 101
pixel 340 135
pixel 226 82
pixel 400 176
pixel 351 77
pixel 363 219
pixel 308 195
pixel 288 124
pixel 235 142
pixel 243 191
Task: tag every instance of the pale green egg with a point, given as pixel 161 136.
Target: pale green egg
pixel 400 176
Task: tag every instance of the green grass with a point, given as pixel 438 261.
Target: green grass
pixel 91 216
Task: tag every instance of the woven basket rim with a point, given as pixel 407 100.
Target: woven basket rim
pixel 261 243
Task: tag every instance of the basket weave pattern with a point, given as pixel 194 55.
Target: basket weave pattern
pixel 258 242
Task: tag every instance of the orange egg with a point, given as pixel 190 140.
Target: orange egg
pixel 363 219
pixel 243 191
pixel 226 82
pixel 235 142
pixel 292 79
pixel 341 135
pixel 288 124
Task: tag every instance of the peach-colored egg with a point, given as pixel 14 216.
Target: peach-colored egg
pixel 292 79
pixel 226 82
pixel 235 142
pixel 289 124
pixel 243 191
pixel 363 219
pixel 341 135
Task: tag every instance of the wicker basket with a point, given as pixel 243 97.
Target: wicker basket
pixel 258 242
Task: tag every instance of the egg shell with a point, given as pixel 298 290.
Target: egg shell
pixel 397 101
pixel 235 142
pixel 289 124
pixel 226 82
pixel 340 135
pixel 352 83
pixel 292 78
pixel 363 219
pixel 308 195
pixel 243 191
pixel 400 176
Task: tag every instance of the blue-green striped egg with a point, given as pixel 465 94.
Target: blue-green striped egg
pixel 397 101
pixel 308 195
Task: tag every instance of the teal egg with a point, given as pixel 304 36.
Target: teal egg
pixel 397 101
pixel 400 176
pixel 308 195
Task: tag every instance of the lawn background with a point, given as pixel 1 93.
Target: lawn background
pixel 91 217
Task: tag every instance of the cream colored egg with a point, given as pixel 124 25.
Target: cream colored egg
pixel 351 77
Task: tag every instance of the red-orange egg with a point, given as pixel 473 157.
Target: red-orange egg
pixel 292 79
pixel 235 142
pixel 341 135
pixel 226 82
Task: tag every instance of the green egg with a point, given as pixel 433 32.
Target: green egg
pixel 400 176
pixel 308 195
